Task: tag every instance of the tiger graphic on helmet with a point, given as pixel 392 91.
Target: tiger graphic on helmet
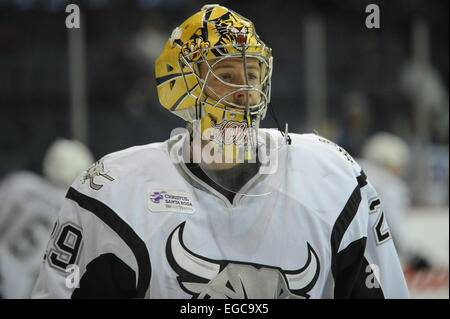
pixel 230 30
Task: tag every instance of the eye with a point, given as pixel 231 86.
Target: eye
pixel 224 76
pixel 253 77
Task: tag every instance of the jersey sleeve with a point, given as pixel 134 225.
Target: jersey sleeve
pixel 91 253
pixel 365 260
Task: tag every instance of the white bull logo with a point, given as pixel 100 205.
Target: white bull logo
pixel 207 278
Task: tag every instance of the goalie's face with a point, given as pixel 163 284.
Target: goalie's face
pixel 236 87
pixel 226 76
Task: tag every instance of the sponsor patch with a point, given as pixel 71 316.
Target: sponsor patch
pixel 166 200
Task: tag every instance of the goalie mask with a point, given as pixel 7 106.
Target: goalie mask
pixel 187 76
pixel 215 73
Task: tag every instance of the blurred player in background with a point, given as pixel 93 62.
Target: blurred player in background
pixel 224 209
pixel 386 158
pixel 29 205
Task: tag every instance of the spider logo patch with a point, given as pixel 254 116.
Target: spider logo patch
pixel 96 170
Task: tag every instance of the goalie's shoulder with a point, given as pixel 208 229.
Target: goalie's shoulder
pixel 121 166
pixel 322 147
pixel 126 158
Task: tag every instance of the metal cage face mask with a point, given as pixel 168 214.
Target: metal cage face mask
pixel 238 79
pixel 206 40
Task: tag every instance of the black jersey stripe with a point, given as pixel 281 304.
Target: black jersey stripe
pixel 128 235
pixel 345 218
pixel 349 265
pixel 106 277
pixel 340 227
pixel 352 271
pixel 362 179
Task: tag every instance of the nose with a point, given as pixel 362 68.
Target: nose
pixel 240 97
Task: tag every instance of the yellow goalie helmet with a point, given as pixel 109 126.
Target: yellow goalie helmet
pixel 210 37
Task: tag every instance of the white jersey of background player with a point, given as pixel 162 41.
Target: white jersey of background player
pixel 225 210
pixel 28 210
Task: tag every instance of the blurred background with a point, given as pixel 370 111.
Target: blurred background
pixel 332 75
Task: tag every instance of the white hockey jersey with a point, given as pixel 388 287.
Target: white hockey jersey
pixel 136 225
pixel 29 206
